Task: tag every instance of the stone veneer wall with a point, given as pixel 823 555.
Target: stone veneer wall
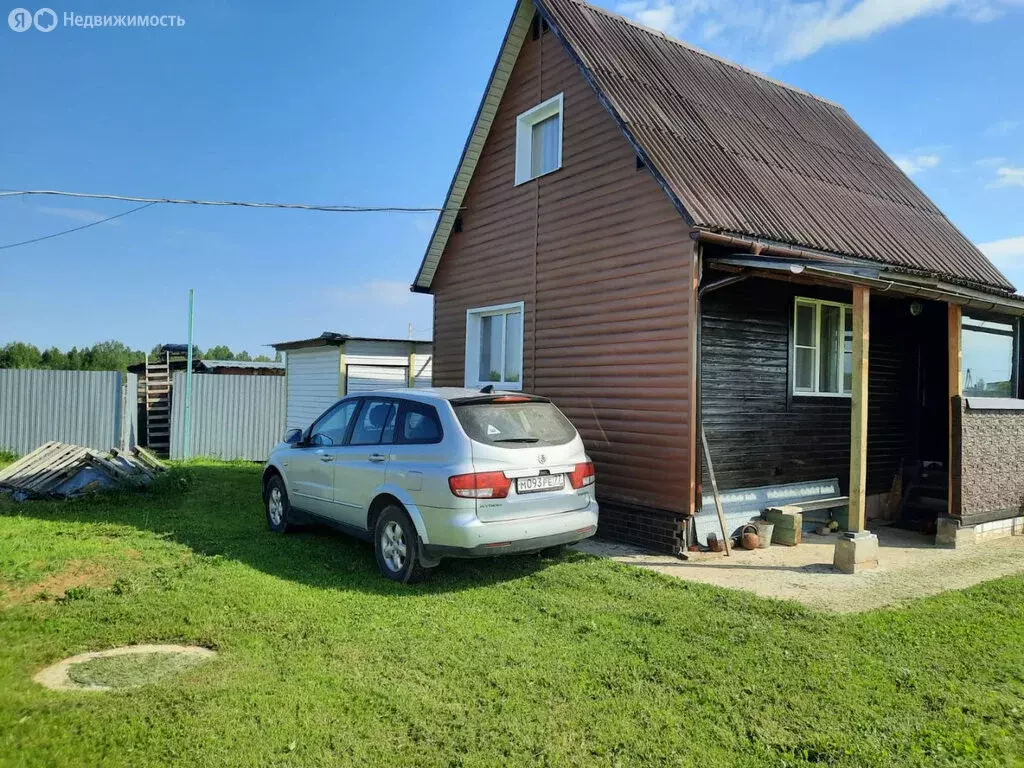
pixel 991 465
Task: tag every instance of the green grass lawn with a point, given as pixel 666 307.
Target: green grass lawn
pixel 520 661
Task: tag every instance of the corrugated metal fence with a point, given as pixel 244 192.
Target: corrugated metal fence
pixel 95 409
pixel 233 417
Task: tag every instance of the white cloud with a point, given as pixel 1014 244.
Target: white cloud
pixel 1009 176
pixel 990 162
pixel 768 32
pixel 1008 256
pixel 913 164
pixel 1001 128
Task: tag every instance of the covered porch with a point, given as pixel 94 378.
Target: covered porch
pixel 826 374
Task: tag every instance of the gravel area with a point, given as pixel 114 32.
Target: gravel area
pixel 909 567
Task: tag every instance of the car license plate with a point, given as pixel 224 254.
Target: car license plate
pixel 540 483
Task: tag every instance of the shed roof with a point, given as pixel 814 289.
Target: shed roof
pixel 332 339
pixel 740 153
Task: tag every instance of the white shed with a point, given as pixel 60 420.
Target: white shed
pixel 322 369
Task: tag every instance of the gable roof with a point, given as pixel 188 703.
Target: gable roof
pixel 737 152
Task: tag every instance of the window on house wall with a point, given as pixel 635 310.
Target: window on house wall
pixel 822 348
pixel 494 346
pixel 539 140
pixel 989 349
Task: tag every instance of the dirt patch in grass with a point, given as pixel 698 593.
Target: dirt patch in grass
pixel 75 577
pixel 126 667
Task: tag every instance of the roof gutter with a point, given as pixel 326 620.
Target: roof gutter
pixel 759 247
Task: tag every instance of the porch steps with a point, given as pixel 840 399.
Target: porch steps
pixel 925 497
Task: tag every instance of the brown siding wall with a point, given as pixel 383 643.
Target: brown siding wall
pixel 604 265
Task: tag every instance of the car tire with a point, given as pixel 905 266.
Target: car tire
pixel 278 508
pixel 396 545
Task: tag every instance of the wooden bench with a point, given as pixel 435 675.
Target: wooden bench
pixel 821 507
pixel 785 506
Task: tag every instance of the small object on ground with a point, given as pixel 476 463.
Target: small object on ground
pixel 764 533
pixel 63 469
pixel 823 530
pixel 694 548
pixel 714 543
pixel 833 525
pixel 118 668
pixel 749 538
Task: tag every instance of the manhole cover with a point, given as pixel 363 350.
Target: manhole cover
pixel 119 668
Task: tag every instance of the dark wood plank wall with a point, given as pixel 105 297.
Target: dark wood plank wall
pixel 604 265
pixel 758 433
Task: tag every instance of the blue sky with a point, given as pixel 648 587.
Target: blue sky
pixel 340 103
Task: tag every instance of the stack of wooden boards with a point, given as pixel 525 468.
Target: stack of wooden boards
pixel 62 469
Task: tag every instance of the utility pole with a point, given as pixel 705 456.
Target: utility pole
pixel 188 376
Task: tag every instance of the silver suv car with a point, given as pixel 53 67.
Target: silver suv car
pixel 433 473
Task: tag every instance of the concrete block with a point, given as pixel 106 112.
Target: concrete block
pixel 949 533
pixel 856 554
pixel 788 526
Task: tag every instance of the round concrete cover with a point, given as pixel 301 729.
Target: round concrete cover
pixel 57 677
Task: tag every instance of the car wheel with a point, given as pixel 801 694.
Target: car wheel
pixel 396 543
pixel 275 499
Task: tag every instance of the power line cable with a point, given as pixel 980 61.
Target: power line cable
pixel 237 203
pixel 75 229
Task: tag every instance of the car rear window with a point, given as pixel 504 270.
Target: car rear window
pixel 515 425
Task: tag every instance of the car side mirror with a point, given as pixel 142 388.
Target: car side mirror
pixel 293 436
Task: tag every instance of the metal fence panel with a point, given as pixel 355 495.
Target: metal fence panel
pixel 233 417
pixel 89 408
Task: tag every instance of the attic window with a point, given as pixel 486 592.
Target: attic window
pixel 539 140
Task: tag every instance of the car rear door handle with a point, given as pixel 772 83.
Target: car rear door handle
pixel 377 457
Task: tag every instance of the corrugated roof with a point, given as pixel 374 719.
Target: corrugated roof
pixel 331 338
pixel 739 152
pixel 745 154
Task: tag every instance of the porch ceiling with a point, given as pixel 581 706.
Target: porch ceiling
pixel 877 278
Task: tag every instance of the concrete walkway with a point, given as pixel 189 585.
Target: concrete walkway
pixel 909 566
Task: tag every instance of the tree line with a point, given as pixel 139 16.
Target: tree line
pixel 104 356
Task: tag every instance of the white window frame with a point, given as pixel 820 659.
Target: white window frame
pixel 473 317
pixel 524 137
pixel 817 304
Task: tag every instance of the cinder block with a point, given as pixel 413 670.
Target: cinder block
pixel 788 529
pixel 949 533
pixel 856 554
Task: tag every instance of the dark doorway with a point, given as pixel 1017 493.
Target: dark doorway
pixel 925 478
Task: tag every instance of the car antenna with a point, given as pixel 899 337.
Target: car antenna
pixel 488 389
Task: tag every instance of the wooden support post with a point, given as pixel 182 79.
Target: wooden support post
pixel 956 391
pixel 859 407
pixel 412 366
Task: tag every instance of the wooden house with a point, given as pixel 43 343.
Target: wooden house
pixel 670 245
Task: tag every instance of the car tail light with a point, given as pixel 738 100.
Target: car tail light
pixel 582 475
pixel 480 485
